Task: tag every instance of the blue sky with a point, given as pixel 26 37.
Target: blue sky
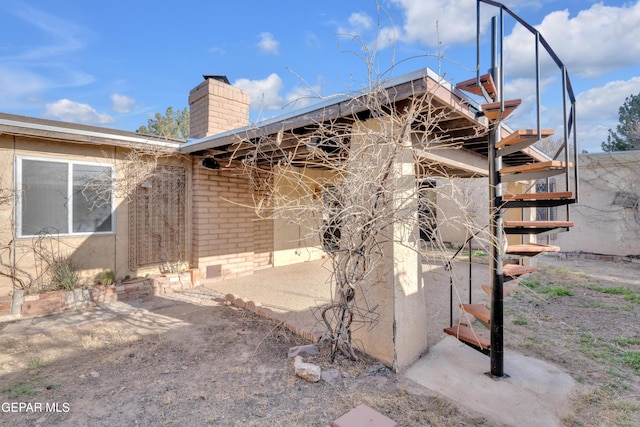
pixel 114 64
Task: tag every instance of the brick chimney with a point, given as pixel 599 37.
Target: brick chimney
pixel 217 107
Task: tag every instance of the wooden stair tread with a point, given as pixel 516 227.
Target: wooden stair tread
pixel 539 196
pixel 466 334
pixel 539 224
pixel 513 270
pixel 535 167
pixel 506 289
pixel 486 82
pixel 522 135
pixel 479 311
pixel 492 110
pixel 531 249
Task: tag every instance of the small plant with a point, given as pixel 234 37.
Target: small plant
pixel 520 321
pixel 64 275
pixel 613 291
pixel 628 294
pixel 632 358
pixel 475 253
pixel 598 304
pixel 37 364
pixel 628 341
pixel 21 389
pixel 108 277
pixel 557 291
pixel 530 283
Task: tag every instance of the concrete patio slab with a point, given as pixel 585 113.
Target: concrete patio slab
pixel 536 393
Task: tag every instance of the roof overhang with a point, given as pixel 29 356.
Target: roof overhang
pixel 79 134
pixel 459 126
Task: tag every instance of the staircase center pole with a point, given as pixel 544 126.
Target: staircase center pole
pixel 495 224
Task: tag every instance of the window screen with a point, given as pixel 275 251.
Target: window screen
pixel 69 197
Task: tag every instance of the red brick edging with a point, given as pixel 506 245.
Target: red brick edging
pixel 267 313
pixel 20 306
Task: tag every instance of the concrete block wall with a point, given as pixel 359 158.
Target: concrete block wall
pixel 216 107
pixel 229 240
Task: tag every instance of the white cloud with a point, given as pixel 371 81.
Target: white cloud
pixel 122 103
pixel 602 103
pixel 430 21
pixel 597 40
pixel 302 96
pixel 525 90
pixel 388 36
pixel 312 40
pixel 63 36
pixel 265 93
pixel 75 112
pixel 268 44
pixel 597 110
pixel 17 83
pixel 31 68
pixel 360 21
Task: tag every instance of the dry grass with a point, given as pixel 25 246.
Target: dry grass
pixel 583 316
pixel 210 364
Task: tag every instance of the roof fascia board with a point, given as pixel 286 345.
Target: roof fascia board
pixel 16 127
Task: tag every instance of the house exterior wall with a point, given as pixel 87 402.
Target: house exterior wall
pixel 607 216
pixel 89 253
pixel 461 202
pixel 297 241
pixel 466 201
pixel 223 241
pixel 263 240
pixel 395 286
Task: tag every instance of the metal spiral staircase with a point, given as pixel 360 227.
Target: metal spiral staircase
pixel 501 142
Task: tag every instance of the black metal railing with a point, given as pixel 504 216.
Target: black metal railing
pixel 569 111
pixel 449 267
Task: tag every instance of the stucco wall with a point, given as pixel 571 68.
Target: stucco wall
pixel 459 203
pixel 602 226
pixel 464 201
pixel 298 193
pixel 89 253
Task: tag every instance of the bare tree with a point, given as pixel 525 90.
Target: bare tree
pixel 368 185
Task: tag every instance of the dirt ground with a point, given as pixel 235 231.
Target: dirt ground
pixel 193 360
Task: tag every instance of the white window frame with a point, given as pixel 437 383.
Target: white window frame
pixel 69 163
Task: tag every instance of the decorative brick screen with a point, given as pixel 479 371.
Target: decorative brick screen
pixel 157 220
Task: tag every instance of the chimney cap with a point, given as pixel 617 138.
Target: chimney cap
pixel 219 77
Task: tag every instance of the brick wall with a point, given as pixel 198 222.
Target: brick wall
pixel 263 238
pixel 228 240
pixel 216 107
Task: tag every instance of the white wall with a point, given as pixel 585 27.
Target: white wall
pixel 602 226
